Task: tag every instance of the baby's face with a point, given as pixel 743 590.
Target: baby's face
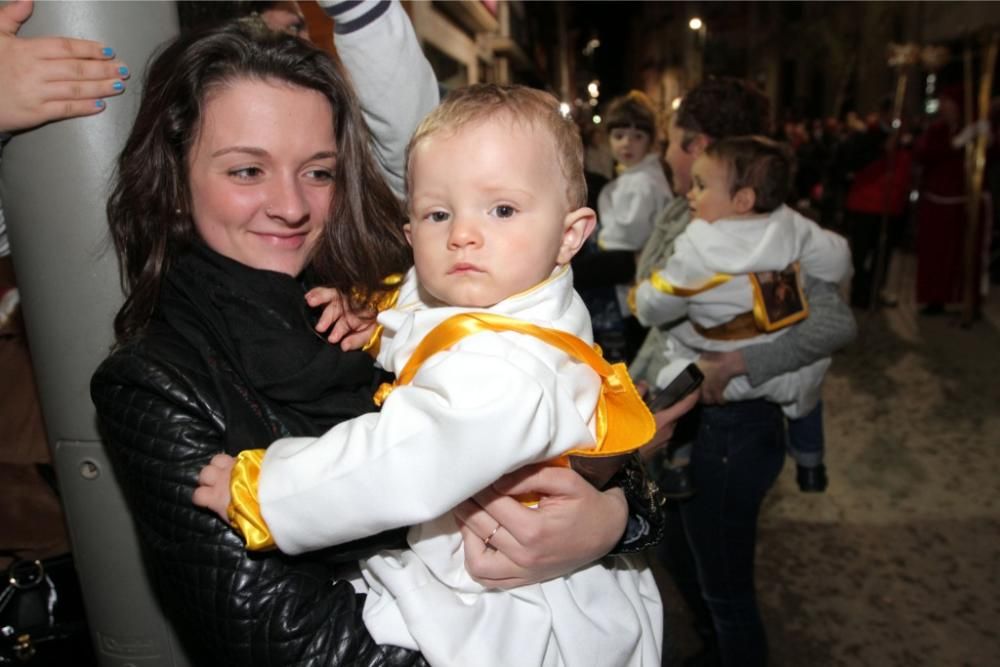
pixel 709 197
pixel 488 207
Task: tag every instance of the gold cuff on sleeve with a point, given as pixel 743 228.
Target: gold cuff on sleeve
pixel 244 507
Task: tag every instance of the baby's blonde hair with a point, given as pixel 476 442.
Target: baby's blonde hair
pixel 537 108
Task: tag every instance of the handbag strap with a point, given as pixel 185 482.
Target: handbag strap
pixel 21 575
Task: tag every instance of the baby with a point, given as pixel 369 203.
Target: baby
pixel 492 349
pixel 736 275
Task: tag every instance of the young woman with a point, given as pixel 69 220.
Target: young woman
pixel 248 164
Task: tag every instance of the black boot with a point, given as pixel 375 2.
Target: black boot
pixel 811 480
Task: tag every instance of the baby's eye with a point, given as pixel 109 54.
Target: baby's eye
pixel 438 216
pixel 246 173
pixel 504 211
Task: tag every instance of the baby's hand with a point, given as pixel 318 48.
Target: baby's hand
pixel 213 485
pixel 352 330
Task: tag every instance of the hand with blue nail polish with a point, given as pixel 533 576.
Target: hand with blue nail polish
pixel 45 79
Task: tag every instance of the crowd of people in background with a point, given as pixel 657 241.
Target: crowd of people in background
pixel 861 172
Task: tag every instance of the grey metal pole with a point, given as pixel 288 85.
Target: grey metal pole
pixel 54 181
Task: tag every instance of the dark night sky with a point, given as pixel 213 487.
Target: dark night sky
pixel 606 21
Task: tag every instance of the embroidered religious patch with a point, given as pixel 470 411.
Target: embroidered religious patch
pixel 778 298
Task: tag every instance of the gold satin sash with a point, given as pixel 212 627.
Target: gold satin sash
pixel 623 423
pixel 669 288
pixel 384 301
pixel 762 322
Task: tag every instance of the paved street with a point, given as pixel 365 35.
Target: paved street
pixel 898 563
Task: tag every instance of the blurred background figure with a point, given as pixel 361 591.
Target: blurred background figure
pixel 941 212
pixel 627 208
pixel 876 164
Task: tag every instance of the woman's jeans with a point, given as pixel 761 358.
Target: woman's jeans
pixel 738 454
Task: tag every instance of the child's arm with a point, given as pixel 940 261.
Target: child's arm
pixel 665 295
pixel 353 330
pixel 468 417
pixel 653 304
pixel 213 485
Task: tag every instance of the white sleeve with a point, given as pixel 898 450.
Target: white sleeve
pixel 825 255
pixel 466 419
pixel 654 307
pixel 393 79
pixel 627 215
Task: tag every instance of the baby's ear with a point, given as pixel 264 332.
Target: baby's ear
pixel 577 226
pixel 744 200
pixel 408 232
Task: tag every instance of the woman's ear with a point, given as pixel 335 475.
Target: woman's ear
pixel 577 226
pixel 698 144
pixel 744 200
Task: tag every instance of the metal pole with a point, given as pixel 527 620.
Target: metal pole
pixel 883 232
pixel 975 153
pixel 55 183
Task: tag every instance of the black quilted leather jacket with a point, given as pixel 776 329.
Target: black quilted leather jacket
pixel 164 403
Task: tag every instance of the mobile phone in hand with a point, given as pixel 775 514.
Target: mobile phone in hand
pixel 684 383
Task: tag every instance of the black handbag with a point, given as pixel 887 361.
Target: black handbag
pixel 42 620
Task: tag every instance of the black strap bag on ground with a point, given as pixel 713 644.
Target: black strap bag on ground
pixel 42 620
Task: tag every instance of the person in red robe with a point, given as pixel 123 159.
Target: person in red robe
pixel 942 211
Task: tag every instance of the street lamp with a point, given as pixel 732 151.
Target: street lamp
pixel 697 61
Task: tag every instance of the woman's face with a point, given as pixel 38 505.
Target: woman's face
pixel 261 173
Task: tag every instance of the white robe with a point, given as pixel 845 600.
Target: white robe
pixel 627 208
pixel 738 248
pixel 487 406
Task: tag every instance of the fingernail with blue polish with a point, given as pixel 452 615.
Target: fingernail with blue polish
pixel 108 52
pixel 123 70
pixel 118 85
pixel 99 104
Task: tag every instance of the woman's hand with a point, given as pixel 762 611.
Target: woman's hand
pixel 351 330
pixel 719 368
pixel 51 78
pixel 666 422
pixel 508 544
pixel 213 485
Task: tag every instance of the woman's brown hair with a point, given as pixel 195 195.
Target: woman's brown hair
pixel 148 211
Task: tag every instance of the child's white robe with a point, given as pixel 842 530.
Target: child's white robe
pixel 487 406
pixel 738 248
